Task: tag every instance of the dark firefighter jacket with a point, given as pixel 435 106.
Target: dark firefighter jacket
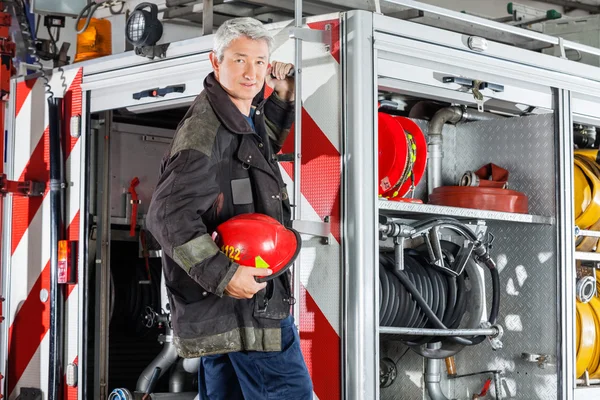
pixel 218 167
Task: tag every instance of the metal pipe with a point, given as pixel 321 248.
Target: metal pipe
pixel 55 370
pixel 433 376
pixel 591 8
pixel 434 146
pixel 168 356
pixel 297 209
pixel 177 381
pixel 472 115
pixel 498 385
pixel 164 361
pixel 174 396
pixel 438 332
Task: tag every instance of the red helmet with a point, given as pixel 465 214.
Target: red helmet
pixel 257 240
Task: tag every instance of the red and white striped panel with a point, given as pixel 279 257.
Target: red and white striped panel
pixel 29 239
pixel 321 269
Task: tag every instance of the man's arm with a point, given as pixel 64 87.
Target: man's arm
pixel 279 108
pixel 186 190
pixel 279 116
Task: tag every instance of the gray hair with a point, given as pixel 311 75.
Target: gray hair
pixel 238 27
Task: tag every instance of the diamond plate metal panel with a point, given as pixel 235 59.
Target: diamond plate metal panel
pixel 402 208
pixel 409 382
pixel 523 145
pixel 526 259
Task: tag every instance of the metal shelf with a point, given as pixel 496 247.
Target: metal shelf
pixel 586 393
pixel 398 208
pixel 587 256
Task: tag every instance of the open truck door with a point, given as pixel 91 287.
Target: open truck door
pixel 26 234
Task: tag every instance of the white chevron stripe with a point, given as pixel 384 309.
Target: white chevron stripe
pixel 29 128
pixel 321 266
pixel 33 252
pixel 36 373
pixel 321 85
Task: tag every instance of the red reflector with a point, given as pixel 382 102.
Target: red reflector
pixel 67 261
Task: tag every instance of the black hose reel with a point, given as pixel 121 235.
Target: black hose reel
pixel 436 285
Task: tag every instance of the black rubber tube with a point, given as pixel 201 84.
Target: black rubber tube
pixel 421 295
pixel 56 329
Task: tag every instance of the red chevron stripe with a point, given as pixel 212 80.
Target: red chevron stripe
pixel 320 347
pixel 37 169
pixel 23 90
pixel 321 163
pixel 31 322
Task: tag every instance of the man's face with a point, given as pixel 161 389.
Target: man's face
pixel 243 68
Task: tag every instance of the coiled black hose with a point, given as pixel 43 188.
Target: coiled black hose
pixel 423 296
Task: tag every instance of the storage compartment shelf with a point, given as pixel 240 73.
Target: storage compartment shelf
pixel 587 256
pixel 586 393
pixel 398 208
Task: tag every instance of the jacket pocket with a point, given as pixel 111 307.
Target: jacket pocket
pixel 187 292
pixel 241 191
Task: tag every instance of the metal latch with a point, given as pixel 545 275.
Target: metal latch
pixel 30 394
pixel 314 228
pixel 26 188
pixel 159 92
pixel 313 35
pixel 542 360
pixel 476 86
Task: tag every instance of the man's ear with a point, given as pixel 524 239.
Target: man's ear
pixel 214 62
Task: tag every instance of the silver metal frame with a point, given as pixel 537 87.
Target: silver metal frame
pixel 6 239
pixel 398 41
pixel 496 26
pixel 83 256
pixel 359 210
pixel 297 210
pixel 565 246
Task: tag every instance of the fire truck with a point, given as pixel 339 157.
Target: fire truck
pixel 405 289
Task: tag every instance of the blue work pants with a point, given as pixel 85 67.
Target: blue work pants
pixel 256 375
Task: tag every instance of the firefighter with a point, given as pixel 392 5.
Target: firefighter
pixel 222 163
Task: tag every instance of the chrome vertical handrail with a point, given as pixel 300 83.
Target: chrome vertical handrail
pixel 297 209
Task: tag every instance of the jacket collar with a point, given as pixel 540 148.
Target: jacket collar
pixel 227 112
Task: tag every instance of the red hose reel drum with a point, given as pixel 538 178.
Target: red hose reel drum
pixel 259 241
pixel 402 156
